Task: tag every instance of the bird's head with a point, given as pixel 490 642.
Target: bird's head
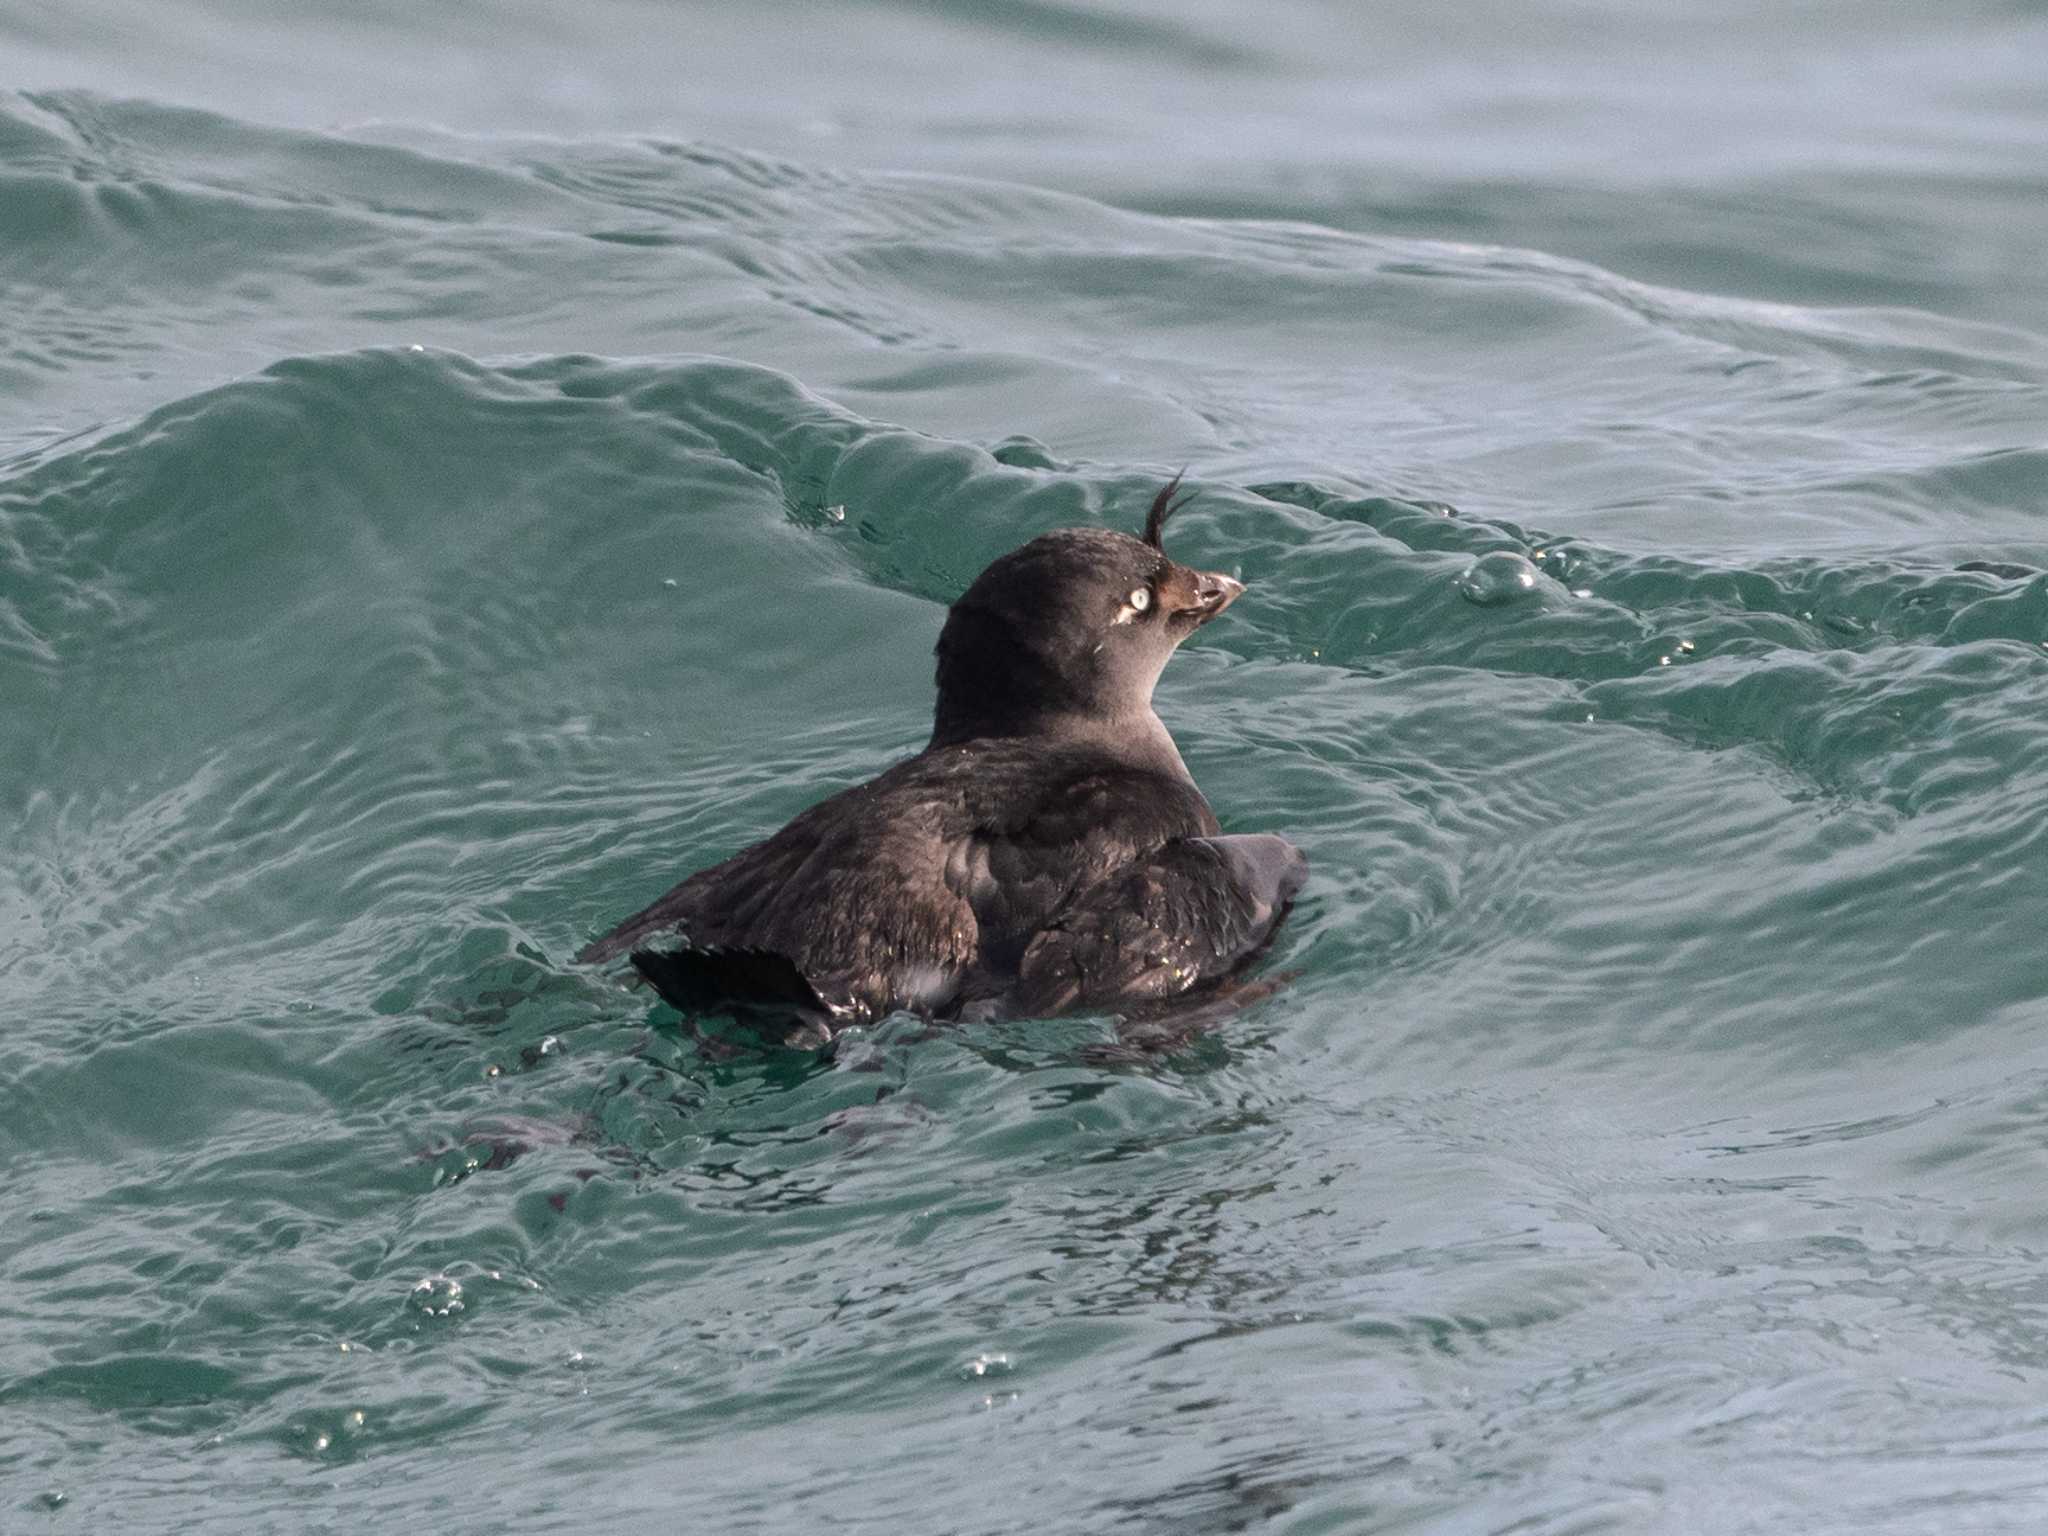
pixel 1077 625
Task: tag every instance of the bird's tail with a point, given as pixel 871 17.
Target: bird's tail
pixel 693 979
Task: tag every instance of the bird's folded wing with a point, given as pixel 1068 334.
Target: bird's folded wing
pixel 896 892
pixel 1193 912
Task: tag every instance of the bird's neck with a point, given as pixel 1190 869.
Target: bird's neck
pixel 1136 738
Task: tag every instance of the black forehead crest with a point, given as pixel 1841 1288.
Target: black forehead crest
pixel 1163 507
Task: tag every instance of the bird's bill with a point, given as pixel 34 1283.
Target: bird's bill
pixel 1196 597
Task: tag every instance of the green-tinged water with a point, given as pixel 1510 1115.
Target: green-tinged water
pixel 456 479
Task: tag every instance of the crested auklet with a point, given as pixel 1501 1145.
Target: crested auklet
pixel 1046 852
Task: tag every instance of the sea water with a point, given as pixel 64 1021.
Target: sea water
pixel 462 470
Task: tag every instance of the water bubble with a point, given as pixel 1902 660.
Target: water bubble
pixel 1497 578
pixel 438 1295
pixel 1023 452
pixel 986 1365
pixel 324 1431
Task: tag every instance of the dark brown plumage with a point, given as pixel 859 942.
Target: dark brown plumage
pixel 1046 852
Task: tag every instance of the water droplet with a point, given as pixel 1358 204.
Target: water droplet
pixel 1663 661
pixel 1497 578
pixel 986 1365
pixel 321 1442
pixel 1686 646
pixel 493 1070
pixel 550 1045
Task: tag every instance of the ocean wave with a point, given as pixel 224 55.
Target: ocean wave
pixel 417 548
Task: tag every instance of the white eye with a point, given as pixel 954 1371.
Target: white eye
pixel 1140 598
